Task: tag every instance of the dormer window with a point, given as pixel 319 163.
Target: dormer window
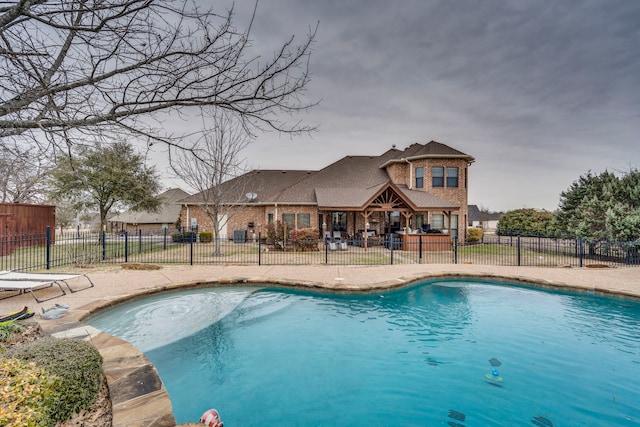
pixel 419 177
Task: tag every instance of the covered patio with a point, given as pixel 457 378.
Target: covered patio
pixel 371 215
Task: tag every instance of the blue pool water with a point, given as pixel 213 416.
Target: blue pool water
pixel 413 357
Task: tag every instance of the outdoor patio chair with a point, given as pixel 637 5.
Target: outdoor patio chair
pixel 45 277
pixel 30 286
pixel 333 246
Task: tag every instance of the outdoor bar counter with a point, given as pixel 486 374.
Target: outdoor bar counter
pixel 431 242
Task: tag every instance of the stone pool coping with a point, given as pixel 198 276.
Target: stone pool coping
pixel 138 396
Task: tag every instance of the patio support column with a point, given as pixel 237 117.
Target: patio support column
pixel 365 216
pixel 406 215
pixel 448 215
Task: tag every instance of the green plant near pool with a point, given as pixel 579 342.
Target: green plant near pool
pixel 7 331
pixel 29 394
pixel 69 376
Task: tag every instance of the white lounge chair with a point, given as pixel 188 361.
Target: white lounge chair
pixel 45 277
pixel 30 286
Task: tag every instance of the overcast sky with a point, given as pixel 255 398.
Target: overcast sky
pixel 539 92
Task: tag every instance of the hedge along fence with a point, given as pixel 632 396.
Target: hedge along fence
pixel 303 247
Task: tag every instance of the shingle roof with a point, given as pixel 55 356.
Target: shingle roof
pixel 341 197
pixel 432 149
pixel 476 215
pixel 168 213
pixel 267 185
pixel 348 182
pixel 422 199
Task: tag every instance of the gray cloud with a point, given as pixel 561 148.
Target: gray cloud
pixel 539 92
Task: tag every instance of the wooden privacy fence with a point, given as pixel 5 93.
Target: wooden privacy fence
pixel 17 220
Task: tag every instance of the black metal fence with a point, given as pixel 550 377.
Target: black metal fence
pixel 38 251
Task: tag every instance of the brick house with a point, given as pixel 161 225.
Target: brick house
pixel 423 187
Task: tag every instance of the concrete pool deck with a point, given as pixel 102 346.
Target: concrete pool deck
pixel 137 394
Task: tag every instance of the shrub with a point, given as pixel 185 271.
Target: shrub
pixel 275 234
pixel 305 239
pixel 474 235
pixel 206 237
pixel 29 394
pixel 76 363
pixel 525 222
pixel 185 237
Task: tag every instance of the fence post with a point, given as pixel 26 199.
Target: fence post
pixel 259 247
pixel 48 251
pixel 455 250
pixel 391 245
pixel 539 242
pixel 164 244
pixel 192 236
pixel 326 250
pixel 420 248
pixel 126 246
pixel 627 257
pixel 518 242
pixel 139 240
pixel 580 251
pixel 104 245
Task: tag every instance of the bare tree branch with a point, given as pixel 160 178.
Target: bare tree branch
pixel 209 166
pixel 72 68
pixel 22 176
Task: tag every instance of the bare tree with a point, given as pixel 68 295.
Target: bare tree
pixel 209 167
pixel 66 214
pixel 78 68
pixel 22 176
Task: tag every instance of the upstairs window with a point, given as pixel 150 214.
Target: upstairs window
pixel 437 176
pixel 452 177
pixel 419 177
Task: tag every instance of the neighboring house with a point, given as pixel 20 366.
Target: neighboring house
pixel 422 187
pixel 152 222
pixel 487 221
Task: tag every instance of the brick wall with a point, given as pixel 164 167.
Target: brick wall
pixel 240 218
pixel 404 173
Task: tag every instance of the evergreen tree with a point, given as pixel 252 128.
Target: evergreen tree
pixel 601 207
pixel 107 177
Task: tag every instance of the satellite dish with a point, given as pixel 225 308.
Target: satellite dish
pixel 251 196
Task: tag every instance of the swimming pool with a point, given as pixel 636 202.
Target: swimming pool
pixel 417 356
